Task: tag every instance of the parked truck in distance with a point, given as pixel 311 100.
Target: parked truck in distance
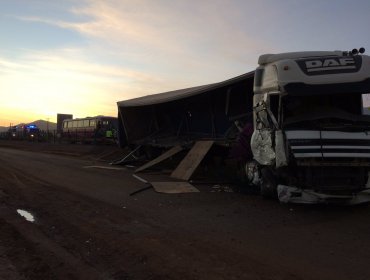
pixel 311 140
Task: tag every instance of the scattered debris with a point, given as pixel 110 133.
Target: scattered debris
pixel 174 150
pixel 220 188
pixel 287 194
pixel 141 190
pixel 127 157
pixel 166 187
pixel 173 187
pixel 140 179
pixel 104 167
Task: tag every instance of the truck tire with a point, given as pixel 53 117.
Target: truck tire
pixel 268 184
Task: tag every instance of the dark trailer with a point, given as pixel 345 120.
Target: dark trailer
pixel 208 112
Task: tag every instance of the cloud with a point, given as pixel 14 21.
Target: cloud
pixel 129 49
pixel 60 81
pixel 203 37
pixel 163 24
pixel 69 63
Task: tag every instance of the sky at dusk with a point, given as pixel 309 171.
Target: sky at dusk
pixel 82 56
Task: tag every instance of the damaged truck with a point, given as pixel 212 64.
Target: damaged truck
pixel 295 126
pixel 311 138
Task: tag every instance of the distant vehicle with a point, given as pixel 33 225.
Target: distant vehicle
pixel 32 132
pixel 90 129
pixel 25 132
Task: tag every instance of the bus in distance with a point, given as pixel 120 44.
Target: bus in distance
pixel 90 129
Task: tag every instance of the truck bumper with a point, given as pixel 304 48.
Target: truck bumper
pixel 288 194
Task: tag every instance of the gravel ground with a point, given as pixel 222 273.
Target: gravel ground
pixel 87 226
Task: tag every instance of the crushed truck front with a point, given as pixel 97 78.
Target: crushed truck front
pixel 311 142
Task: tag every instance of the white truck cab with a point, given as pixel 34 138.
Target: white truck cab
pixel 311 140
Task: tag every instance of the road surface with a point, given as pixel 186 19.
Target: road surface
pixel 87 226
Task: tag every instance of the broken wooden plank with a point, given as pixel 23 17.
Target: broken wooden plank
pixel 191 161
pixel 173 187
pixel 174 150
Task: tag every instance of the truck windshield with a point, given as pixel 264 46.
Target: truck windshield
pixel 329 111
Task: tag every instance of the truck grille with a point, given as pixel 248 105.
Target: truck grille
pixel 328 144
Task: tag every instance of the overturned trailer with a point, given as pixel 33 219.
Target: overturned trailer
pixel 186 115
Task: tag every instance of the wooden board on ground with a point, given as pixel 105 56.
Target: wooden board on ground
pixel 173 187
pixel 191 161
pixel 162 157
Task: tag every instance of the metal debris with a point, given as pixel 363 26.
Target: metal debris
pixel 220 188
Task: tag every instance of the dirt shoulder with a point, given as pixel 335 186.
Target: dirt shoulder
pixel 76 237
pixel 103 152
pixel 87 226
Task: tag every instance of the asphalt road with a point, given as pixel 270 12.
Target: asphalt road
pixel 87 226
